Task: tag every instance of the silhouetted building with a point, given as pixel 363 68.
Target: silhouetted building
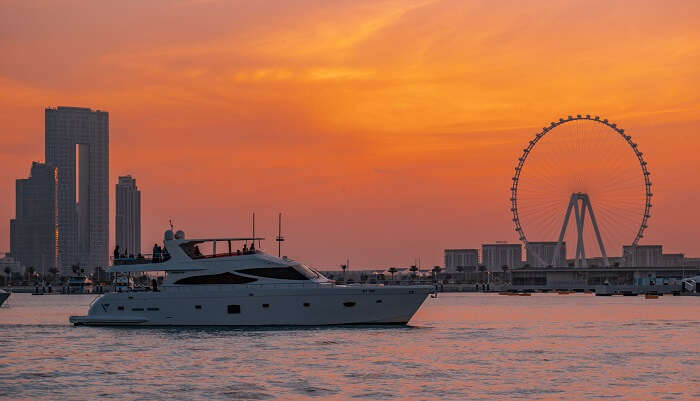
pixel 541 254
pixel 128 216
pixel 672 259
pixel 691 262
pixel 496 256
pixel 77 142
pixel 642 255
pixel 34 235
pixel 468 259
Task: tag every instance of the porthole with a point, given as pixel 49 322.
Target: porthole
pixel 379 301
pixel 349 304
pixel 234 309
pixel 198 306
pixel 153 309
pixel 120 308
pixel 266 305
pixel 306 304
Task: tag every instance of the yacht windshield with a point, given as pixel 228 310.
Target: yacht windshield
pixel 308 271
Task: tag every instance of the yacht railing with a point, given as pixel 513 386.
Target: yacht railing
pixel 140 259
pixel 229 287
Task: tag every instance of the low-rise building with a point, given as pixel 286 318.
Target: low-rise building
pixel 541 254
pixel 672 259
pixel 497 256
pixel 461 259
pixel 642 255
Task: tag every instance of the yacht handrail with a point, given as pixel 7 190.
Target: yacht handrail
pixel 139 259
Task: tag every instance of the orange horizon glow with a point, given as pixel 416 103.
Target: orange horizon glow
pixel 384 131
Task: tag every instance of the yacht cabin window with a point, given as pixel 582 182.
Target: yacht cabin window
pixel 221 278
pixel 279 273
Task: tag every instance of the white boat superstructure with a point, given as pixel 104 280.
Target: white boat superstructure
pixel 79 284
pixel 245 288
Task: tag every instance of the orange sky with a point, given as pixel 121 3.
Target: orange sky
pixel 384 130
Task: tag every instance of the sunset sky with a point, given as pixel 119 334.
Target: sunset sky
pixel 383 130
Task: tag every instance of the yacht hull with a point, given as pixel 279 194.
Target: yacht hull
pixel 252 306
pixel 3 296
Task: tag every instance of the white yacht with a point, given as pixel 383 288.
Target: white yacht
pixel 244 288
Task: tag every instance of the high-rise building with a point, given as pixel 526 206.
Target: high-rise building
pixel 77 142
pixel 34 231
pixel 541 254
pixel 496 256
pixel 643 255
pixel 468 259
pixel 128 216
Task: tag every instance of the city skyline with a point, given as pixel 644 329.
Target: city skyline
pixel 374 152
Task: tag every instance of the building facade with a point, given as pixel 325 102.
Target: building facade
pixel 496 256
pixel 642 256
pixel 673 259
pixel 34 231
pixel 541 254
pixel 77 142
pixel 467 259
pixel 128 216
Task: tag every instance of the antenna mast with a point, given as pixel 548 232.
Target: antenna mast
pixel 279 238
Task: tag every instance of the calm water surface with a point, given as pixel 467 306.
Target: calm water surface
pixel 461 346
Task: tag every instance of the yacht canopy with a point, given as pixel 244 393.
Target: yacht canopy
pixel 224 239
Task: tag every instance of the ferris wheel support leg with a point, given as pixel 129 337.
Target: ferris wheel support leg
pixel 584 202
pixel 555 257
pixel 580 252
pixel 606 262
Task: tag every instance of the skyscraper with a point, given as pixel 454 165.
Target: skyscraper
pixel 77 142
pixel 128 216
pixel 34 230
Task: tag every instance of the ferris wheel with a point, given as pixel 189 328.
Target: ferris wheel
pixel 581 187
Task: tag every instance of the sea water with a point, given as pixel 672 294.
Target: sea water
pixel 457 347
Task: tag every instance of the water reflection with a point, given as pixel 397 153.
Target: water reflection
pixel 482 347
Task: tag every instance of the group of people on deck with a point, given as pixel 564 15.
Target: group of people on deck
pixel 196 253
pixel 118 254
pixel 247 250
pixel 159 254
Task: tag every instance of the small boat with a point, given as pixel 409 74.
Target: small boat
pixel 122 283
pixel 79 284
pixel 245 288
pixel 3 296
